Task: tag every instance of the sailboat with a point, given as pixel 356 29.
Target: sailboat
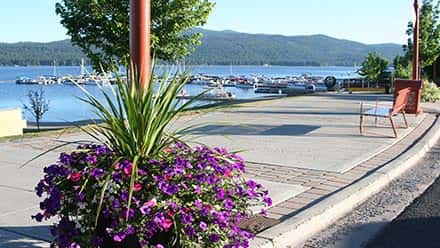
pixel 49 79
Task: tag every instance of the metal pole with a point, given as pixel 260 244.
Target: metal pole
pixel 416 32
pixel 140 22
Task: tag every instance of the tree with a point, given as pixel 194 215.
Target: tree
pixel 373 67
pixel 429 34
pixel 101 28
pixel 402 67
pixel 38 105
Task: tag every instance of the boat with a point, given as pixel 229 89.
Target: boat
pixel 48 80
pixel 25 80
pixel 299 88
pixel 228 83
pixel 217 93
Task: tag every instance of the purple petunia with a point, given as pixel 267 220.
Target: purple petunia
pixel 268 201
pixel 214 237
pixel 220 194
pixel 187 218
pixel 203 226
pixel 200 192
pixel 229 204
pixel 65 159
pixel 97 173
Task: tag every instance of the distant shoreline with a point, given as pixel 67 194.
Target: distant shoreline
pixel 201 65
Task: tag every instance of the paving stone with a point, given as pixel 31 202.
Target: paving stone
pixel 291 205
pixel 280 211
pixel 319 191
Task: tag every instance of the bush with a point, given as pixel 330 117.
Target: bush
pixel 430 92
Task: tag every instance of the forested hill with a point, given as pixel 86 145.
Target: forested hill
pixel 225 47
pixel 222 47
pixel 33 53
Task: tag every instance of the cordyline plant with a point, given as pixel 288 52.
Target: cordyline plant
pixel 142 186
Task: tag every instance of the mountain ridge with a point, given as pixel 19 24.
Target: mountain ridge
pixel 223 48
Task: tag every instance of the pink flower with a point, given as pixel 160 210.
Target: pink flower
pixel 228 174
pixel 127 169
pixel 198 190
pixel 137 187
pixel 166 224
pixel 75 177
pixel 151 203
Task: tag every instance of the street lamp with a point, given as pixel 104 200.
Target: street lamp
pixel 416 70
pixel 140 22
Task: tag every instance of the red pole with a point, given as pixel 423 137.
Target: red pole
pixel 140 21
pixel 416 65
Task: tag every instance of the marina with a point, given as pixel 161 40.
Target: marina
pixel 247 83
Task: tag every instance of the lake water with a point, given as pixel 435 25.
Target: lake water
pixel 64 105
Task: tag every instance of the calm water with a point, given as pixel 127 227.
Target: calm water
pixel 64 105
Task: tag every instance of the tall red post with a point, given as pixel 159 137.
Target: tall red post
pixel 416 65
pixel 140 22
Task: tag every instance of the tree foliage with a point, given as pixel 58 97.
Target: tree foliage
pixel 402 67
pixel 429 39
pixel 223 48
pixel 34 53
pixel 101 28
pixel 373 67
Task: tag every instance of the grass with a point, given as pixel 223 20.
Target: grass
pixel 44 133
pixel 359 89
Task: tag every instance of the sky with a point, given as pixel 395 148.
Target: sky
pixel 366 21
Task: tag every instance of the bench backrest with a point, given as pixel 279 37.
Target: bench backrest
pixel 401 100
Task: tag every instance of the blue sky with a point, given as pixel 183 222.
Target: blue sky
pixel 367 21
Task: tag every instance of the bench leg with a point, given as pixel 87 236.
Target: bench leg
pixel 404 119
pixel 393 125
pixel 361 124
pixel 361 117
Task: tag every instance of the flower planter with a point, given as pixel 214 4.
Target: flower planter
pixel 187 197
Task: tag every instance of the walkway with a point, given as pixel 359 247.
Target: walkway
pixel 302 149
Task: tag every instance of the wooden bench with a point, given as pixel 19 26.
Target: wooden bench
pixel 377 111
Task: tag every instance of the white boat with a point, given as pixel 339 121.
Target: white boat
pixel 299 88
pixel 48 80
pixel 25 80
pixel 219 93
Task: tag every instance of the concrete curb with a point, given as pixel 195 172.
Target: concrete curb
pixel 295 230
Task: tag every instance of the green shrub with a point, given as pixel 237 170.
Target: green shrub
pixel 430 92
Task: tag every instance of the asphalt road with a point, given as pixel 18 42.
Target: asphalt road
pixel 417 226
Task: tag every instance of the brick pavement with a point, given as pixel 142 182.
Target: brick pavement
pixel 325 183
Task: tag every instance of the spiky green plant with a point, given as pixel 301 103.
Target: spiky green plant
pixel 134 120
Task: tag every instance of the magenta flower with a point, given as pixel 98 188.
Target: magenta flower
pixel 137 187
pixel 151 203
pixel 75 176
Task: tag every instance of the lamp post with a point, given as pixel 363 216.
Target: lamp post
pixel 416 65
pixel 140 22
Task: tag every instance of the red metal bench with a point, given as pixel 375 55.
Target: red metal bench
pixel 377 111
